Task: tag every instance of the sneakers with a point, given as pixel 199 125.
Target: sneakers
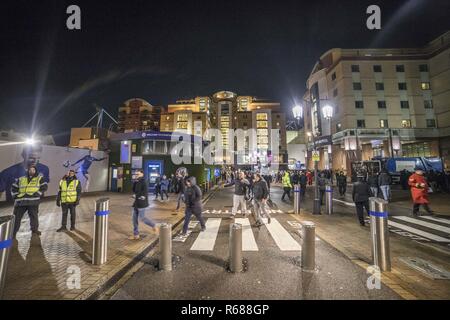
pixel 72 229
pixel 62 229
pixel 137 237
pixel 203 229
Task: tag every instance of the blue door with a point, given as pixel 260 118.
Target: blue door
pixel 153 170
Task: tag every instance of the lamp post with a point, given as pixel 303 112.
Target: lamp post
pixel 327 112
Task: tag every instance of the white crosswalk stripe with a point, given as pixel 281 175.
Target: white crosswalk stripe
pixel 423 223
pixel 248 239
pixel 281 236
pixel 445 221
pixel 206 239
pixel 419 232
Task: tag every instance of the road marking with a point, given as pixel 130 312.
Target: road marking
pixel 281 236
pixel 180 238
pixel 446 221
pixel 248 240
pixel 424 224
pixel 206 239
pixel 418 232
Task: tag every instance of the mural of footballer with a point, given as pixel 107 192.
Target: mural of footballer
pixel 86 163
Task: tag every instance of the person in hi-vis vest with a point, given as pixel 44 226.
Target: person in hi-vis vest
pixel 68 198
pixel 27 192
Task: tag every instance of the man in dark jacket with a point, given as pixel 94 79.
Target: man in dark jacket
pixel 193 200
pixel 341 180
pixel 303 181
pixel 180 191
pixel 322 182
pixel 140 190
pixel 372 181
pixel 27 192
pixel 361 195
pixel 384 181
pixel 260 195
pixel 240 189
pixel 68 198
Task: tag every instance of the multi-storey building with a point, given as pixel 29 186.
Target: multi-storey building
pixel 227 112
pixel 386 102
pixel 138 115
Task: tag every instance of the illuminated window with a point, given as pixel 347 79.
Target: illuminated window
pixel 383 123
pixel 262 132
pixel 261 124
pixel 167 118
pixel 425 85
pixel 261 116
pixel 263 140
pixel 182 125
pixel 182 117
pixel 406 123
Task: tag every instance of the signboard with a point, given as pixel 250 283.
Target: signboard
pixel 136 162
pixel 405 165
pixel 125 152
pixel 323 141
pixel 315 156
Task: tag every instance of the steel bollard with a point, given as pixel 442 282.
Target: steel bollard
pixel 379 231
pixel 308 246
pixel 297 199
pixel 236 247
pixel 6 242
pixel 165 247
pixel 329 199
pixel 100 245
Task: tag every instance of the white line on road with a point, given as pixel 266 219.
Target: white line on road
pixel 446 221
pixel 248 240
pixel 281 236
pixel 206 239
pixel 424 224
pixel 418 232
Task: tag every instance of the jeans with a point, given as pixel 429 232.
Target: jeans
pixel 386 190
pixel 66 207
pixel 197 212
pixel 321 196
pixel 260 209
pixel 374 191
pixel 164 192
pixel 139 214
pixel 287 191
pixel 342 189
pixel 33 212
pixel 239 201
pixel 180 198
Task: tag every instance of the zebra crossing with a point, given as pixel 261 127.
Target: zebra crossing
pixel 423 228
pixel 206 240
pixel 227 211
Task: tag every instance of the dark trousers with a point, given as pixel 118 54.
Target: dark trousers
pixel 197 212
pixel 302 190
pixel 33 212
pixel 66 207
pixel 416 208
pixel 360 210
pixel 287 191
pixel 342 189
pixel 164 192
pixel 322 196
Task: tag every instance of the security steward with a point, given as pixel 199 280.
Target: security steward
pixel 27 192
pixel 68 198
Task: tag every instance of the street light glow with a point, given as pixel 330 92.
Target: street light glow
pixel 327 111
pixel 297 111
pixel 30 141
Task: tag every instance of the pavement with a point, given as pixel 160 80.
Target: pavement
pixel 271 260
pixel 46 267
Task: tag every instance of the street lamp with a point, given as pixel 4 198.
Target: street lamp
pixel 298 112
pixel 327 111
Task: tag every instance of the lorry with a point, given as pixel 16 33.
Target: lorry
pixel 395 165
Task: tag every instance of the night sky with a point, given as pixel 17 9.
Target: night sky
pixel 165 50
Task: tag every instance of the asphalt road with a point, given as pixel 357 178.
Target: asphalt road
pixel 272 272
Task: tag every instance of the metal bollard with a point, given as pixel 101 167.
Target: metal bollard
pixel 379 231
pixel 308 246
pixel 236 247
pixel 6 242
pixel 329 199
pixel 100 245
pixel 297 199
pixel 165 247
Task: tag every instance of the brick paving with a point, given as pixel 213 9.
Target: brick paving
pixel 345 234
pixel 39 267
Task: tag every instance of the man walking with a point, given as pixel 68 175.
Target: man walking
pixel 303 181
pixel 384 181
pixel 419 192
pixel 361 194
pixel 287 186
pixel 193 200
pixel 68 198
pixel 240 189
pixel 372 181
pixel 260 196
pixel 140 190
pixel 341 180
pixel 164 187
pixel 27 192
pixel 322 182
pixel 180 190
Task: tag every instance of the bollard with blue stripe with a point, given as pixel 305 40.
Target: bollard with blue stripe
pixel 297 199
pixel 100 244
pixel 6 242
pixel 379 231
pixel 329 199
